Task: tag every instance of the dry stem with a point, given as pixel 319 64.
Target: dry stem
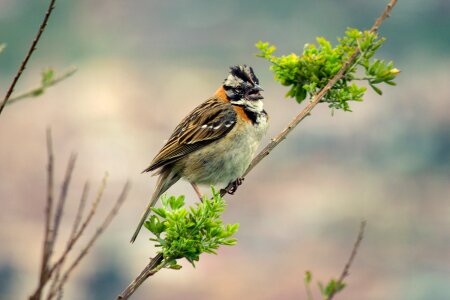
pixel 345 271
pixel 46 252
pixel 93 239
pixel 52 271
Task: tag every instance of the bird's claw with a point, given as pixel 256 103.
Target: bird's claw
pixel 232 186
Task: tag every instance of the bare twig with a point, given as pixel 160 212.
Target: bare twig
pixel 275 141
pixel 154 266
pixel 37 90
pixel 94 238
pixel 76 223
pixel 28 55
pixel 80 210
pixel 46 251
pixel 50 270
pixel 345 271
pixel 62 198
pixel 86 222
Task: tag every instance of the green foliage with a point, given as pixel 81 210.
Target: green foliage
pixel 327 291
pixel 308 73
pixel 333 287
pixel 187 233
pixel 47 78
pixel 2 47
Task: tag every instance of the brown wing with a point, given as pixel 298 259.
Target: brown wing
pixel 210 121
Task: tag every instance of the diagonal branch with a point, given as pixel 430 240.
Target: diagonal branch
pixel 154 266
pixel 345 271
pixel 28 55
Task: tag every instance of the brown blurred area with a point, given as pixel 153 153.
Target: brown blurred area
pixel 143 65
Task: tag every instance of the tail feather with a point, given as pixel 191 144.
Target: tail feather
pixel 165 180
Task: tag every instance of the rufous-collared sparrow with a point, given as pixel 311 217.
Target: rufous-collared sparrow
pixel 216 142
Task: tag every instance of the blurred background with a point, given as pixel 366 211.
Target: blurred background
pixel 143 65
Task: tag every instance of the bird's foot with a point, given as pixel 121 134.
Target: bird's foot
pixel 232 187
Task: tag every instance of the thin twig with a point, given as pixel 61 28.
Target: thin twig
pixel 80 210
pixel 33 92
pixel 28 55
pixel 83 226
pixel 62 198
pixel 37 294
pixel 94 238
pixel 154 266
pixel 345 271
pixel 46 251
pixel 76 223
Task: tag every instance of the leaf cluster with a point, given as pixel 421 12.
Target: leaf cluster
pixel 187 233
pixel 308 73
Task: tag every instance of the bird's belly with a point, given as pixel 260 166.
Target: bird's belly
pixel 223 160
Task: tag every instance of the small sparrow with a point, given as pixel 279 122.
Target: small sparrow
pixel 215 143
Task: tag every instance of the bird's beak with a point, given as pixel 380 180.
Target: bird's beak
pixel 258 88
pixel 254 94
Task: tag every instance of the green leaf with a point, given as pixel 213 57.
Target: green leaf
pixel 377 90
pixel 2 47
pixel 37 92
pixel 176 203
pixel 308 277
pixel 159 211
pixel 47 77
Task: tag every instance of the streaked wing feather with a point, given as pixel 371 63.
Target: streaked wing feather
pixel 210 121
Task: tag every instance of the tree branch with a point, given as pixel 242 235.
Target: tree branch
pixel 28 55
pixel 345 271
pixel 154 266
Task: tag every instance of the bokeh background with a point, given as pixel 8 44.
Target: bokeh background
pixel 143 65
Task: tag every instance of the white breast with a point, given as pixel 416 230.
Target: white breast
pixel 226 159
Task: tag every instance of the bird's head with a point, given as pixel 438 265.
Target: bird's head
pixel 242 84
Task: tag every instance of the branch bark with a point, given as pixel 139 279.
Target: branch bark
pixel 154 266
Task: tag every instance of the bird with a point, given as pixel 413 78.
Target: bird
pixel 215 143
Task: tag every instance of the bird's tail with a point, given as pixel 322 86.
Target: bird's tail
pixel 165 180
